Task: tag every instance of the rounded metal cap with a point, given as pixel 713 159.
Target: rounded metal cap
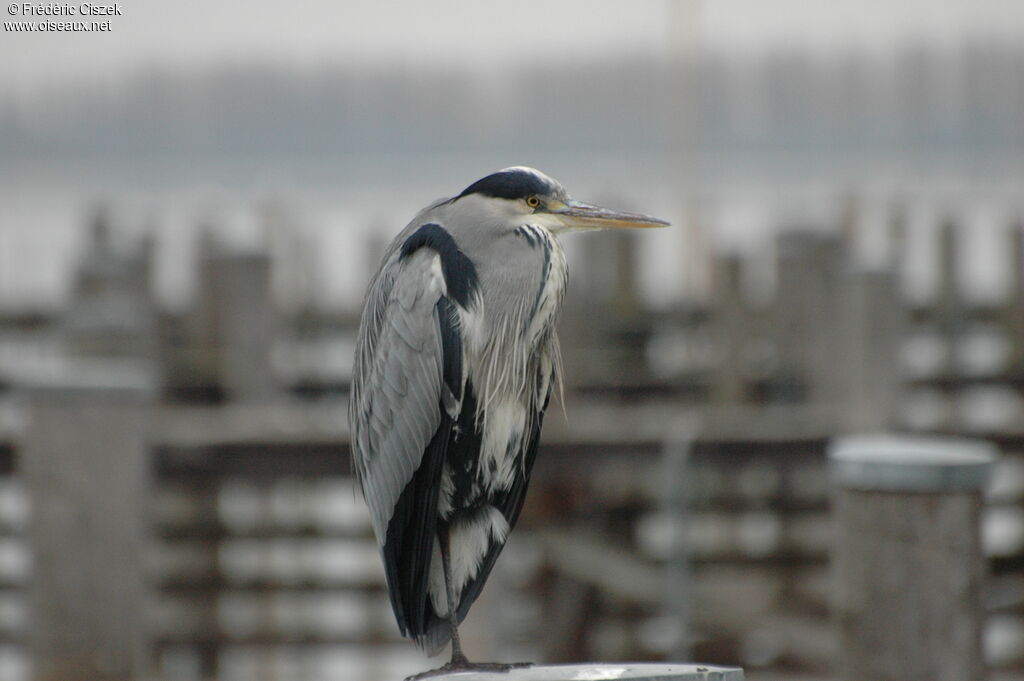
pixel 910 463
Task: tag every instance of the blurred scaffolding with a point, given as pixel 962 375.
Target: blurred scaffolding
pixel 176 499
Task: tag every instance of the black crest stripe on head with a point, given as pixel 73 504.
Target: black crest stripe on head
pixel 509 184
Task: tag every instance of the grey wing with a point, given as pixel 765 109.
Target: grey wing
pixel 395 405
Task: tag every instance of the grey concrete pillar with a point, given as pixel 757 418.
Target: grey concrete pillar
pixel 806 316
pixel 238 324
pixel 732 330
pixel 85 465
pixel 874 324
pixel 908 560
pixel 1016 302
pixel 949 312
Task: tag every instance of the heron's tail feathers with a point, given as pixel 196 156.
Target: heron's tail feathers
pixel 435 638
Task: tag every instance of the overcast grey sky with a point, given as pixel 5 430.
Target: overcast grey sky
pixel 200 33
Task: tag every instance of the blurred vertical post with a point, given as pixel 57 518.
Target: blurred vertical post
pixel 683 128
pixel 238 323
pixel 1016 303
pixel 683 141
pixel 676 496
pixel 807 318
pixel 85 464
pixel 874 326
pixel 908 560
pixel 949 307
pixel 732 330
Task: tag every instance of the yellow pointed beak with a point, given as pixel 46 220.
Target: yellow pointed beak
pixel 579 215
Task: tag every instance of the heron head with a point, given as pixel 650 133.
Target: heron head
pixel 527 195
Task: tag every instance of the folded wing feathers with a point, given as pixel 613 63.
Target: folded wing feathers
pixel 399 395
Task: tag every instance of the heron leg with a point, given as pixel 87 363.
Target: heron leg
pixel 458 657
pixel 458 661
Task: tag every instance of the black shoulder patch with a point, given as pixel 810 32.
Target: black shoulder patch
pixel 510 184
pixel 459 271
pixel 451 345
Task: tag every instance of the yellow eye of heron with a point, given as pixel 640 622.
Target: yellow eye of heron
pixel 532 202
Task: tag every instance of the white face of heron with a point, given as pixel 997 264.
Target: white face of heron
pixel 504 214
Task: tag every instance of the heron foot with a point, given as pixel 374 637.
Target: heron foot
pixel 466 666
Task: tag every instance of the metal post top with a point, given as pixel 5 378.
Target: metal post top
pixel 625 671
pixel 887 462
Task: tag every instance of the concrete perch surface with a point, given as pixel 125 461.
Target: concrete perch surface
pixel 625 671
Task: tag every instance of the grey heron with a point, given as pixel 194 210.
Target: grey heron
pixel 455 362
